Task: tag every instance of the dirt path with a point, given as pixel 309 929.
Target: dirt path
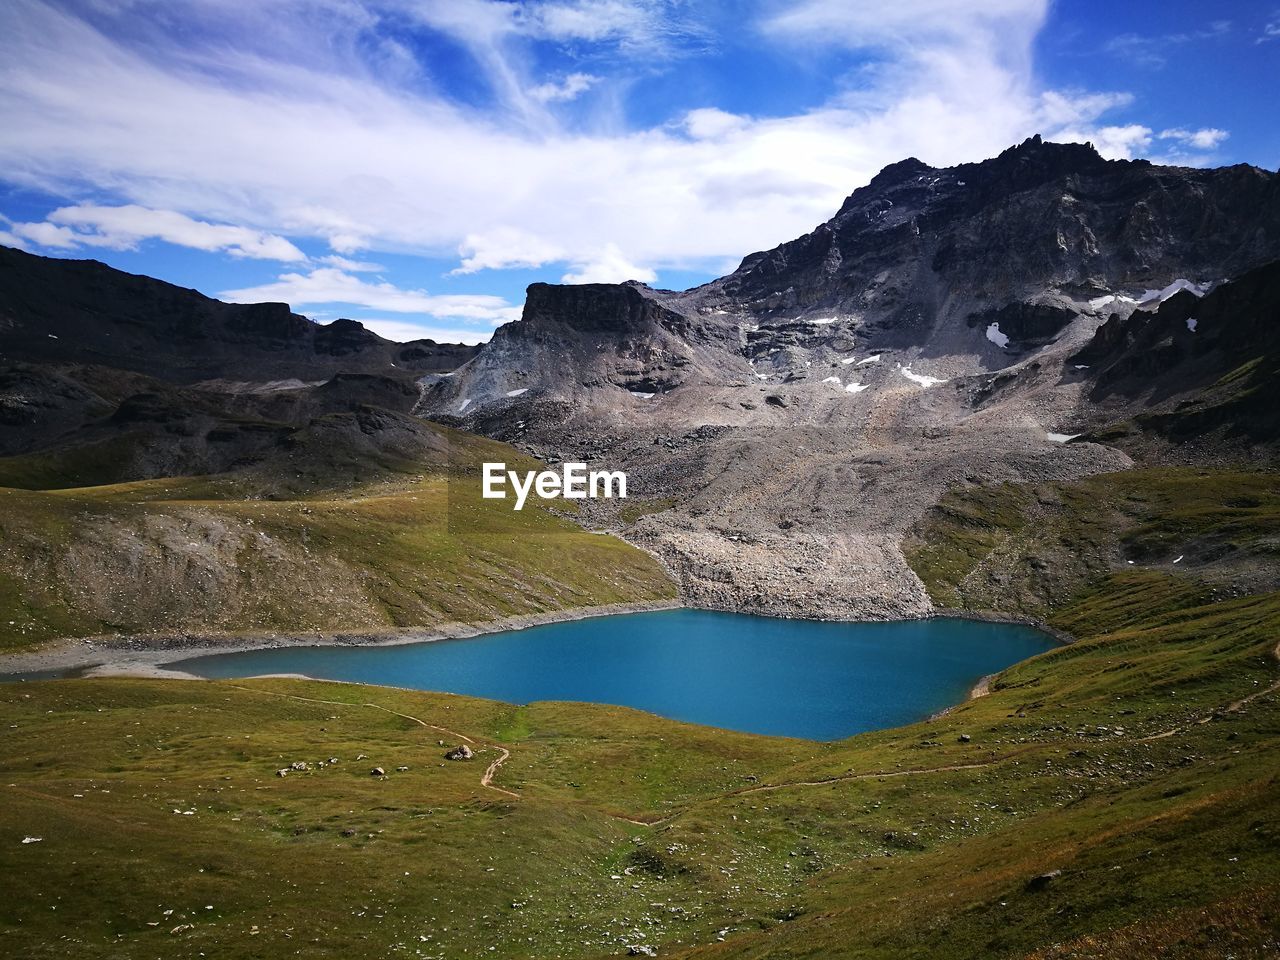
pixel 486 779
pixel 1234 707
pixel 921 771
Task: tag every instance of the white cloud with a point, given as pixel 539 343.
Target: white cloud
pixel 652 25
pixel 352 266
pixel 609 266
pixel 124 227
pixel 1207 138
pixel 327 285
pixel 570 88
pixel 505 247
pixel 323 147
pixel 1113 142
pixel 711 123
pixel 50 235
pixel 1154 50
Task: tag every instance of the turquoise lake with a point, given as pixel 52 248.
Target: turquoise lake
pixel 797 678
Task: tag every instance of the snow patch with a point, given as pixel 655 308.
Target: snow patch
pixel 1192 322
pixel 822 321
pixel 923 379
pixel 1179 560
pixel 1061 437
pixel 762 376
pixel 465 403
pixel 847 360
pixel 1097 303
pixel 1160 296
pixel 517 393
pixel 995 336
pixel 642 395
pixel 856 387
pixel 874 359
pixel 835 380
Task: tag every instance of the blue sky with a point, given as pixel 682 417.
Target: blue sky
pixel 416 163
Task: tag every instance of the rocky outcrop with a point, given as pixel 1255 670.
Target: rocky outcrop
pixel 923 337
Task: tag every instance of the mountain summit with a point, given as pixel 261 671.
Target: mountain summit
pixel 811 404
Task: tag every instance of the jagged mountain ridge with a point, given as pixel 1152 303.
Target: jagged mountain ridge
pixel 790 422
pixel 84 312
pixel 920 258
pixel 783 427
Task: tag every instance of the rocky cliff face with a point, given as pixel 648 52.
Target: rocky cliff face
pixel 782 427
pixel 984 263
pixel 1197 373
pixel 788 422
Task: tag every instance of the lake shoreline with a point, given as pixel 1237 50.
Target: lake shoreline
pixel 145 655
pixel 148 656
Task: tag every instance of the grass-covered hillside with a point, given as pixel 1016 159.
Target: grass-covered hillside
pixel 410 544
pixel 1119 797
pixel 1033 549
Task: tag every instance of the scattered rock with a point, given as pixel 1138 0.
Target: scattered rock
pixel 964 738
pixel 641 950
pixel 460 752
pixel 377 772
pixel 1042 881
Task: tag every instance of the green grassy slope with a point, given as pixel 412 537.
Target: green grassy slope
pixel 1135 771
pixel 1141 762
pixel 1033 549
pixel 417 548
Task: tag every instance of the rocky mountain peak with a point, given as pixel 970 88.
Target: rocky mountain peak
pixel 981 264
pixel 594 307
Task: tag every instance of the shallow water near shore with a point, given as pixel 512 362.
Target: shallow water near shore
pixel 798 678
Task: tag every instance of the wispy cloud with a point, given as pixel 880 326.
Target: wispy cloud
pixel 285 123
pixel 124 227
pixel 324 286
pixel 1207 138
pixel 1154 50
pixel 352 266
pixel 570 88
